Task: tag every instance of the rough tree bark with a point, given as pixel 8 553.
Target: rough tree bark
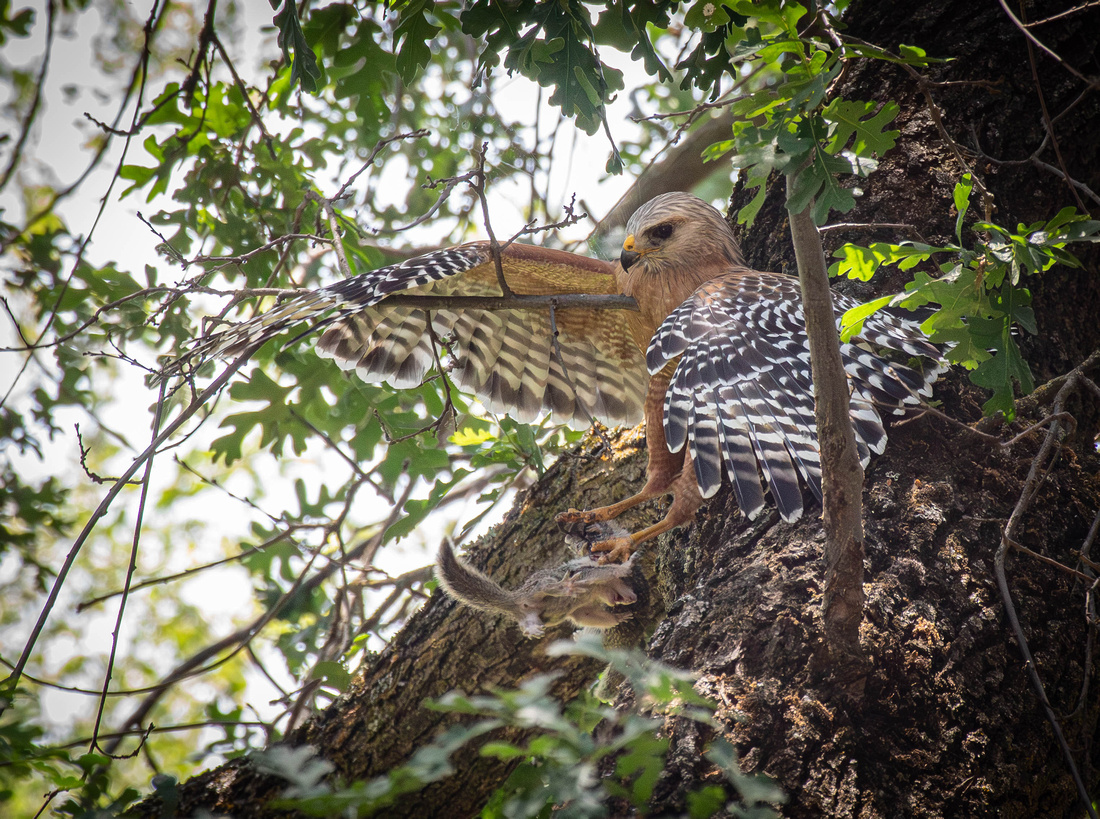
pixel 947 724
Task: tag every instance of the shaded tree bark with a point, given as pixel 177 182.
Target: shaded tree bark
pixel 948 724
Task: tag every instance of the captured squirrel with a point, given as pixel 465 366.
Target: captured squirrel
pixel 581 591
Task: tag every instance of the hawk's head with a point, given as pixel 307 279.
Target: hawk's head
pixel 675 230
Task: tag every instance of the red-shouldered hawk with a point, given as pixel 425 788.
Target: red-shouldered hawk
pixel 728 386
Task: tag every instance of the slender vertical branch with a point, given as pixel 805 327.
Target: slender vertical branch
pixel 130 569
pixel 1040 468
pixel 841 471
pixel 36 101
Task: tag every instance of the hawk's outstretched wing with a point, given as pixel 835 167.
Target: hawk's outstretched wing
pixel 742 393
pixel 511 359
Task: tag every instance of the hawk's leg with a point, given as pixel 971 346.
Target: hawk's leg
pixel 662 472
pixel 686 500
pixel 667 472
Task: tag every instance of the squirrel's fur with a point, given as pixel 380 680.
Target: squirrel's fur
pixel 582 591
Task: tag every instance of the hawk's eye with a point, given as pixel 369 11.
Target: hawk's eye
pixel 661 232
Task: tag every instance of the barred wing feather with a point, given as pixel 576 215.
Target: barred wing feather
pixel 509 358
pixel 741 398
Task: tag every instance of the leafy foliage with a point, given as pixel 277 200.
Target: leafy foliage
pixel 560 764
pixel 556 49
pixel 782 121
pixel 979 300
pixel 304 69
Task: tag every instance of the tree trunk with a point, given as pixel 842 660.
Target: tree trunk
pixel 948 724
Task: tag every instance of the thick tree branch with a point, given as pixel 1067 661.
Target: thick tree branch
pixel 381 719
pixel 681 170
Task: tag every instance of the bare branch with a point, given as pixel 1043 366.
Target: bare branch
pixel 1040 465
pixel 334 229
pixel 377 149
pixel 514 302
pixel 139 516
pixel 36 100
pixel 1062 15
pixel 171 578
pixel 1092 83
pixel 841 471
pixel 105 504
pixel 478 184
pixel 1046 117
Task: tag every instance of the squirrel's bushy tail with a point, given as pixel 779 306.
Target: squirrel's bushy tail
pixel 467 585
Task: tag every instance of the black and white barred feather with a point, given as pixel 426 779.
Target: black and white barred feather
pixel 508 358
pixel 344 298
pixel 741 398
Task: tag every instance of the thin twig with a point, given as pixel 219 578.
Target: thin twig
pixel 137 79
pixel 350 461
pixel 1048 391
pixel 334 229
pixel 1090 615
pixel 143 59
pixel 36 100
pixel 377 149
pixel 1064 14
pixel 591 301
pixel 1046 117
pixel 302 587
pixel 1069 180
pixel 243 258
pixel 448 415
pixel 257 120
pixel 105 504
pixel 448 186
pixel 554 335
pixel 158 415
pixel 924 86
pixel 1046 49
pixel 72 689
pixel 1019 547
pixel 478 184
pixel 870 226
pixel 93 477
pixel 171 578
pixel 1039 466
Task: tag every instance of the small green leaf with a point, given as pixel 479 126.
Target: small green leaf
pixel 707 15
pixel 304 68
pixel 856 262
pixel 333 673
pixel 962 202
pixel 413 38
pixel 851 323
pixel 998 374
pixel 858 123
pixel 502 750
pixel 706 802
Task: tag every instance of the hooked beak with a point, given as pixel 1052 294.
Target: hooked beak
pixel 629 256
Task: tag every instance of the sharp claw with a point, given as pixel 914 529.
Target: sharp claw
pixel 582 525
pixel 573 516
pixel 618 550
